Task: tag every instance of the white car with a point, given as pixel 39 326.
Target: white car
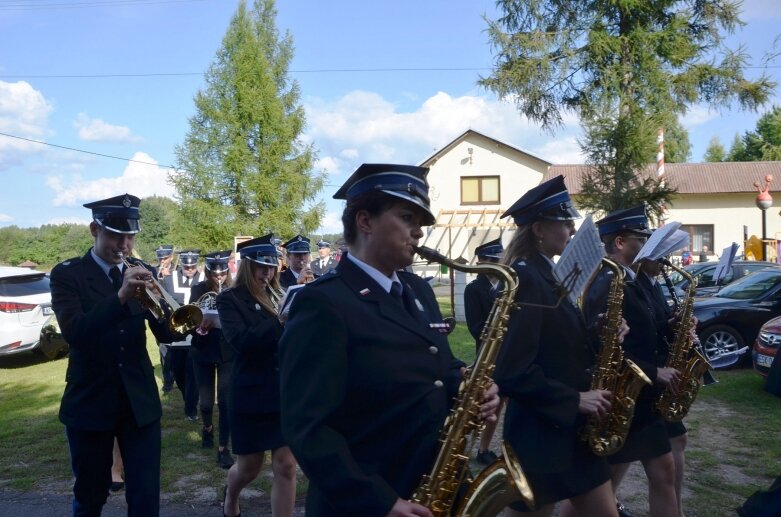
pixel 27 321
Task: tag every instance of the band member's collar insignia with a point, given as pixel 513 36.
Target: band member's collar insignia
pixel 364 291
pixel 257 306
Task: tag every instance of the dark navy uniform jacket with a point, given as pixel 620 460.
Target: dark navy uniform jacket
pixel 479 297
pixel 644 340
pixel 287 278
pixel 211 348
pixel 253 333
pixel 542 366
pixel 366 386
pixel 320 271
pixel 107 349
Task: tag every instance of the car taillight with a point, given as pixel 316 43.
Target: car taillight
pixel 16 307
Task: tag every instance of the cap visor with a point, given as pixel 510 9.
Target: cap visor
pixel 428 218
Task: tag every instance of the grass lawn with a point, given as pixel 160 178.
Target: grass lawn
pixel 734 440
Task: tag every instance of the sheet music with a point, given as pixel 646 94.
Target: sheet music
pixel 676 242
pixel 580 259
pixel 725 262
pixel 655 246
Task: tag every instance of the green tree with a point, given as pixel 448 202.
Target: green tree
pixel 243 169
pixel 677 148
pixel 625 64
pixel 715 151
pixel 762 144
pixel 158 215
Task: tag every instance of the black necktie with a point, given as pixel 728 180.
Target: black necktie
pixel 398 294
pixel 396 291
pixel 116 277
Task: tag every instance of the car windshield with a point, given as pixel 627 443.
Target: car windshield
pixel 24 285
pixel 676 278
pixel 751 286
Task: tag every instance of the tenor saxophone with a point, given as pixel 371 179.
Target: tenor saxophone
pixel 614 373
pixel 502 482
pixel 685 358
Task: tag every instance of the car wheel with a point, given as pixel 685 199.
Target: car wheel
pixel 719 340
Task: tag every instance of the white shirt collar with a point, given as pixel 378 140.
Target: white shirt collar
pixel 105 266
pixel 376 275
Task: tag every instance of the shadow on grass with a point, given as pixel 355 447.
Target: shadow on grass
pixel 24 360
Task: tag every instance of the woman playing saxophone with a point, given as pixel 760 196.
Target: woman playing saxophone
pixel 543 367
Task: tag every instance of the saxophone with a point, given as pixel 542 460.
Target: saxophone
pixel 614 373
pixel 502 482
pixel 685 358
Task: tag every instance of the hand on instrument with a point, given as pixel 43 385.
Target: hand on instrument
pixel 623 330
pixel 491 402
pixel 595 402
pixel 136 279
pixel 404 508
pixel 668 377
pixel 206 325
pixel 306 276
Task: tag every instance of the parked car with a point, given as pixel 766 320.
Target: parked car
pixel 703 273
pixel 731 320
pixel 766 346
pixel 27 322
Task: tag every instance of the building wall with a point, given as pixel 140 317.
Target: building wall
pixel 517 172
pixel 728 213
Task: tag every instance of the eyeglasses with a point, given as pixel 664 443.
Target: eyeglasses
pixel 642 240
pixel 189 267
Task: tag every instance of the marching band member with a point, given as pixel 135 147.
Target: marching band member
pixel 298 271
pixel 211 355
pixel 324 262
pixel 624 232
pixel 543 366
pixel 182 366
pixel 110 383
pixel 165 253
pixel 248 314
pixel 479 296
pixel 367 372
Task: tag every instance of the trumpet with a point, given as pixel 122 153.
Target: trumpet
pixel 183 319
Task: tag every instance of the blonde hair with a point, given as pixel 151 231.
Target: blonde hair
pixel 522 245
pixel 246 277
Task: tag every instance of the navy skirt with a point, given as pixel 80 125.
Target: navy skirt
pixel 252 433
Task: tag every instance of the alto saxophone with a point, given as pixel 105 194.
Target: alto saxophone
pixel 685 358
pixel 502 482
pixel 614 373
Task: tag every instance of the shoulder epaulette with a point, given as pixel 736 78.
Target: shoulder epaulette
pixel 70 262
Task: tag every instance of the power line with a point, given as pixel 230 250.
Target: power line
pixel 87 152
pixel 83 5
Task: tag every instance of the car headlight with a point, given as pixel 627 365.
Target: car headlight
pixel 769 339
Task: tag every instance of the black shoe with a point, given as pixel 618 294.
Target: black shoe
pixel 167 388
pixel 623 511
pixel 486 457
pixel 207 439
pixel 224 495
pixel 191 418
pixel 116 486
pixel 224 459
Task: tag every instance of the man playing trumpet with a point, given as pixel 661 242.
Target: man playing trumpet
pixel 110 383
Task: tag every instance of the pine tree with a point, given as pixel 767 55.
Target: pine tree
pixel 621 66
pixel 762 144
pixel 243 169
pixel 715 151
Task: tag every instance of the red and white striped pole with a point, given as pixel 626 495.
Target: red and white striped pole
pixel 660 167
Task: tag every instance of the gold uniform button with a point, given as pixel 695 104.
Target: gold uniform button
pixel 433 349
pixel 438 383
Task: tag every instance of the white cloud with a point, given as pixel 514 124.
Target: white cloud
pixel 328 165
pixel 139 179
pixel 97 130
pixel 698 115
pixel 561 151
pixel 364 124
pixel 4 218
pixel 23 113
pixel 331 223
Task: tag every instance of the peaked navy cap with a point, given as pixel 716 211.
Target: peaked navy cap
pixel 323 244
pixel 549 200
pixel 629 219
pixel 260 250
pixel 491 249
pixel 217 261
pixel 298 244
pixel 118 214
pixel 407 182
pixel 189 257
pixel 164 250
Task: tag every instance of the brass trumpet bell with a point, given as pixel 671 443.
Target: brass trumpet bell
pixel 185 319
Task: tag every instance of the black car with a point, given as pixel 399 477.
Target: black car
pixel 703 274
pixel 731 320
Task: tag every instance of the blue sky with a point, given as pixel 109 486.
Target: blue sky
pixel 117 77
